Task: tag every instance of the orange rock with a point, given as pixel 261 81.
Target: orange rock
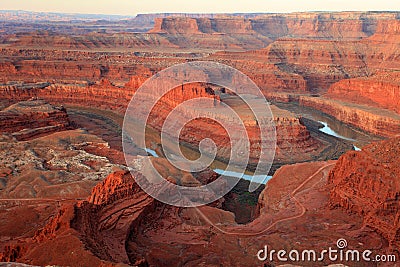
pixel 381 89
pixel 32 118
pixel 366 183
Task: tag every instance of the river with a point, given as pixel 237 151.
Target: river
pixel 328 130
pixel 261 179
pixel 332 126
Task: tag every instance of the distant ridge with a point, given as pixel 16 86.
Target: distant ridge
pixel 18 21
pixel 22 15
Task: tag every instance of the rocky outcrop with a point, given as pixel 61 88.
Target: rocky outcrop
pixel 55 165
pixel 267 75
pixel 102 95
pixel 185 25
pixel 366 183
pixel 93 232
pixel 175 25
pixel 32 118
pixel 114 209
pixel 292 136
pixel 57 243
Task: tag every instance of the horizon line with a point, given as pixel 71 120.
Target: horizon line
pixel 199 13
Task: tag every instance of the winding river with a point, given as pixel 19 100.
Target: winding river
pixel 261 179
pixel 328 130
pixel 332 126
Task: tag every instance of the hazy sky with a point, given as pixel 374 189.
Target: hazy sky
pixel 132 7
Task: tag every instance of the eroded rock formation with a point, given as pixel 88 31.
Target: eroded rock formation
pixel 299 55
pixel 367 183
pixel 114 208
pixel 55 165
pixel 32 118
pixel 346 25
pixel 293 139
pixel 120 223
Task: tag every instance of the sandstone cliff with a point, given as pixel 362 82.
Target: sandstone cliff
pixel 313 63
pixel 341 25
pixel 367 183
pixel 382 90
pixel 115 208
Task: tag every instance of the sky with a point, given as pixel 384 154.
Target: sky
pixel 133 7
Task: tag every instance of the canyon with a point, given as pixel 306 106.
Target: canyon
pixel 68 199
pixel 293 139
pixel 120 223
pixel 287 64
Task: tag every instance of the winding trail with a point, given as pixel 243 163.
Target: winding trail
pixel 292 196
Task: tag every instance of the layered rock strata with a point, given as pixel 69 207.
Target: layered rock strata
pixel 381 90
pixel 367 183
pixel 32 118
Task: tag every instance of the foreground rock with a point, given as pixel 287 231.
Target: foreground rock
pixel 367 183
pixel 300 208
